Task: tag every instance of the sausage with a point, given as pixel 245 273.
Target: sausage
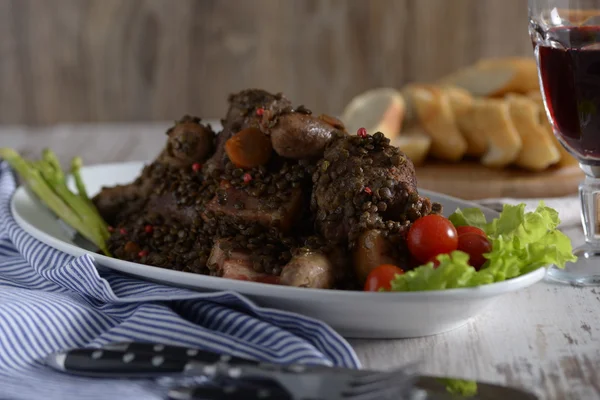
pixel 310 270
pixel 299 136
pixel 372 250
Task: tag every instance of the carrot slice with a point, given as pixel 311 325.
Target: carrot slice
pixel 249 148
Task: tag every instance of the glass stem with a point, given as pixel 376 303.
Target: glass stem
pixel 589 193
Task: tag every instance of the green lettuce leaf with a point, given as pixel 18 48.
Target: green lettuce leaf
pixel 459 386
pixel 468 216
pixel 453 271
pixel 521 242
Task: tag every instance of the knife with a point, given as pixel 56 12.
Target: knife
pixel 232 392
pixel 485 391
pixel 136 359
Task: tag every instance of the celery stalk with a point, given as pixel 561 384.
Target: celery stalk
pixel 47 180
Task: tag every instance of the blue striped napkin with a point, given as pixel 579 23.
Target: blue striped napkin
pixel 51 301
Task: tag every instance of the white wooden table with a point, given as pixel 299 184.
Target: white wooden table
pixel 545 338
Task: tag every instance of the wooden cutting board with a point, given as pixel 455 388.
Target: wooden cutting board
pixel 472 181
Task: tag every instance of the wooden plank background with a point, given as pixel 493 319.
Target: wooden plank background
pixel 125 60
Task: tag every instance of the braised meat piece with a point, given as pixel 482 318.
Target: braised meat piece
pixel 119 200
pixel 189 142
pixel 265 209
pixel 228 262
pixel 363 183
pixel 230 202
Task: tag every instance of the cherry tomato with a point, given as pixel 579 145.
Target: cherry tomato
pixel 475 246
pixel 381 277
pixel 469 229
pixel 431 235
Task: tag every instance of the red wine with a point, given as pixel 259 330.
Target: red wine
pixel 569 62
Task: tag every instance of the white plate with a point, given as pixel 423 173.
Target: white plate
pixel 352 313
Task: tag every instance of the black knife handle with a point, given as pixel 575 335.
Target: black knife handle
pixel 182 353
pixel 135 359
pixel 138 361
pixel 118 363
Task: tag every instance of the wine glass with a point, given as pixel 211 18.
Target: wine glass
pixel 566 39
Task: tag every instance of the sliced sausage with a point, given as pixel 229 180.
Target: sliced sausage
pixel 299 136
pixel 372 250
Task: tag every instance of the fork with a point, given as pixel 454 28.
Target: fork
pixel 396 384
pixel 328 384
pixel 302 385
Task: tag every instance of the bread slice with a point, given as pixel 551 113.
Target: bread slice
pixel 566 159
pixel 490 118
pixel 536 96
pixel 434 114
pixel 461 103
pixel 377 110
pixel 415 143
pixel 539 150
pixel 577 17
pixel 495 77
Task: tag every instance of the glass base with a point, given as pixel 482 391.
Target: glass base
pixel 584 272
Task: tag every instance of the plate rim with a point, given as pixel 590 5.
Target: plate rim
pixel 486 290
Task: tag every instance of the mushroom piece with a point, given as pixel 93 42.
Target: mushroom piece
pixel 189 142
pixel 308 269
